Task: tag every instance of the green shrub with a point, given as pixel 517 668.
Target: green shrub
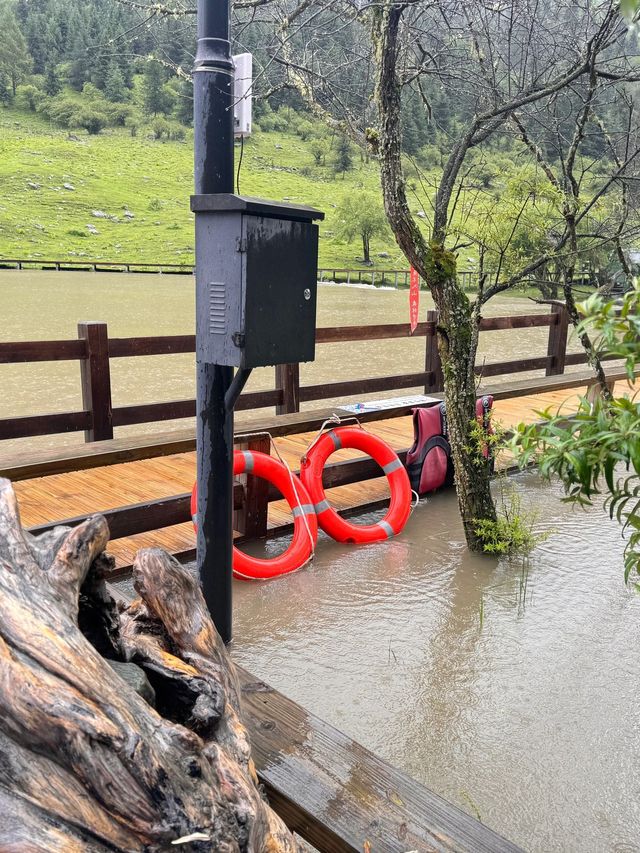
pixel 305 130
pixel 117 114
pixel 60 109
pixel 160 127
pixel 28 97
pixel 132 121
pixel 92 120
pixel 176 132
pixel 513 532
pixel 319 151
pixel 267 123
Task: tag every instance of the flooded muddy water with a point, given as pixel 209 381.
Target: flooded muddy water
pixel 508 687
pixel 36 305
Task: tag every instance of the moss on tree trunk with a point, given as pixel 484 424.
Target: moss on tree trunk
pixel 457 344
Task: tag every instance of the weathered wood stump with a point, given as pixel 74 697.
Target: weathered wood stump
pixel 86 763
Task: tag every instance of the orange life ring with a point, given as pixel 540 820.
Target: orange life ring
pixel 328 519
pixel 305 535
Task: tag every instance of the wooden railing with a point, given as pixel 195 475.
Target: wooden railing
pixel 94 349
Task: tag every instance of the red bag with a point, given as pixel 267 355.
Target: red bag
pixel 429 463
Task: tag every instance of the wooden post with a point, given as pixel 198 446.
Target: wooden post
pixel 251 520
pixel 594 390
pixel 288 381
pixel 95 378
pixel 432 362
pixel 557 347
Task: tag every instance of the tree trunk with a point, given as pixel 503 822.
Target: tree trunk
pixel 365 248
pixel 457 344
pixel 457 332
pixel 86 764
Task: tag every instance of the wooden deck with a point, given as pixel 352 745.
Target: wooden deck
pixel 59 496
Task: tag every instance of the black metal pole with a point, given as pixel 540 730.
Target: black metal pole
pixel 213 149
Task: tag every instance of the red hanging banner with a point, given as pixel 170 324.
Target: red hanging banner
pixel 414 299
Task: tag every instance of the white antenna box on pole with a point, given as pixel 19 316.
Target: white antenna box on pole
pixel 242 96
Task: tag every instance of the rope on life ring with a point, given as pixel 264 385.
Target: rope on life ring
pixel 305 523
pixel 401 497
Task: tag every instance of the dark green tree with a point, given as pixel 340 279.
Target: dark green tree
pixel 415 128
pixel 343 160
pixel 114 87
pixel 183 109
pixel 154 98
pixel 15 62
pixel 52 84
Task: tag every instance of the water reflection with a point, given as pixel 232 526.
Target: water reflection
pixel 510 689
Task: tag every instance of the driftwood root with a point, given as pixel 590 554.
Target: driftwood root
pixel 86 763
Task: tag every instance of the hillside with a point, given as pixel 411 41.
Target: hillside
pixel 52 181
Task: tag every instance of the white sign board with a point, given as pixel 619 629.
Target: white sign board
pixel 389 403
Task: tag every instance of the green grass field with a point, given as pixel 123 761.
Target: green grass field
pixel 115 173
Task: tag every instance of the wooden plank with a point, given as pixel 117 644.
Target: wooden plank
pixel 557 346
pixel 14 466
pixel 498 368
pixel 95 380
pixel 339 334
pixel 288 383
pixel 15 352
pixel 521 321
pixel 31 425
pixel 137 518
pixel 432 362
pixel 166 345
pixel 363 386
pixel 250 499
pixel 526 387
pixel 258 400
pixel 251 519
pixel 338 796
pixel 150 412
pixel 141 517
pixel 176 409
pixel 581 358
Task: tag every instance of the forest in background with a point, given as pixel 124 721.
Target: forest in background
pixel 119 71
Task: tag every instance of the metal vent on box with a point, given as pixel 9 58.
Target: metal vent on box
pixel 217 308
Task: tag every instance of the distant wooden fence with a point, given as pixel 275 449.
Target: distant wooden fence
pixel 82 265
pixel 94 350
pixel 368 275
pixel 385 278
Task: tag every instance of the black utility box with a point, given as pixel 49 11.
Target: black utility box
pixel 256 280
